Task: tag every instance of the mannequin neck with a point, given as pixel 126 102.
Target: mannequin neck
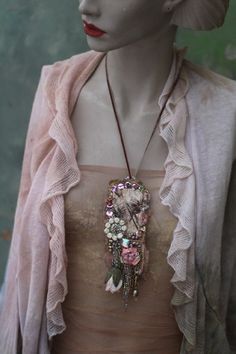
pixel 138 73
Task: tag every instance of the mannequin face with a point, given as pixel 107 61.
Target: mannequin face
pixel 123 21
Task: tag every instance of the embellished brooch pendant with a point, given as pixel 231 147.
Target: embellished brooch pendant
pixel 126 217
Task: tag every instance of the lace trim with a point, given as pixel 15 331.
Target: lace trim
pixel 63 173
pixel 178 193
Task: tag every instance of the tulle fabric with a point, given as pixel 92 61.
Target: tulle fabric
pixel 96 320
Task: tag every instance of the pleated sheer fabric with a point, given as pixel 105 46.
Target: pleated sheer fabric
pixel 96 320
pixel 200 14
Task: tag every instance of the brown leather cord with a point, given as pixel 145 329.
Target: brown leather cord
pixel 117 119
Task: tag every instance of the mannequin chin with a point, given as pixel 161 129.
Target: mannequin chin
pixel 105 44
pixel 125 22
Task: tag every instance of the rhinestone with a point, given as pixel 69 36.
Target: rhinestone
pixel 116 220
pixel 124 228
pixel 125 242
pixel 109 235
pixel 107 224
pixel 106 231
pixel 111 220
pixel 109 213
pixel 114 237
pixel 122 222
pixel 120 235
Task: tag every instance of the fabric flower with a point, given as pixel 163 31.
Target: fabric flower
pixel 130 256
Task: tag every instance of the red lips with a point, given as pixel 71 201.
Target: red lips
pixel 92 30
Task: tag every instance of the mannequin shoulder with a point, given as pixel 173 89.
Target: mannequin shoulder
pixel 62 74
pixel 207 87
pixel 76 63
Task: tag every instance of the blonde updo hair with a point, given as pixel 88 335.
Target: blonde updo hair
pixel 200 14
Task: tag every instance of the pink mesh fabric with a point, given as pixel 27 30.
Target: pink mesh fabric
pixel 178 193
pixel 62 174
pixel 35 281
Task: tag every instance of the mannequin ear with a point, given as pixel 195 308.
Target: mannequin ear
pixel 170 5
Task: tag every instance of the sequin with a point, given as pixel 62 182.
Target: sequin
pixel 128 185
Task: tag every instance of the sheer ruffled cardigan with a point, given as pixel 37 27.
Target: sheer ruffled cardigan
pixel 35 281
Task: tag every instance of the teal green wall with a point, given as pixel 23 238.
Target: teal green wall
pixel 215 49
pixel 34 33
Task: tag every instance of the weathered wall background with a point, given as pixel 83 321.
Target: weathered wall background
pixel 34 33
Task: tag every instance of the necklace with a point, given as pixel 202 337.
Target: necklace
pixel 126 215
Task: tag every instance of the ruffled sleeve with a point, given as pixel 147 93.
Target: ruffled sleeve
pixel 12 319
pixel 178 193
pixel 62 174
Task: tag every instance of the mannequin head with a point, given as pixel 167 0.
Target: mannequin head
pixel 129 21
pixel 126 21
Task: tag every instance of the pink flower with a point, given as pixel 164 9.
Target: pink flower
pixel 142 218
pixel 130 256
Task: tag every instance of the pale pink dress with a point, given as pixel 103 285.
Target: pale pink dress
pixel 96 321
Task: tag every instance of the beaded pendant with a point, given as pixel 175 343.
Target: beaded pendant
pixel 126 217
